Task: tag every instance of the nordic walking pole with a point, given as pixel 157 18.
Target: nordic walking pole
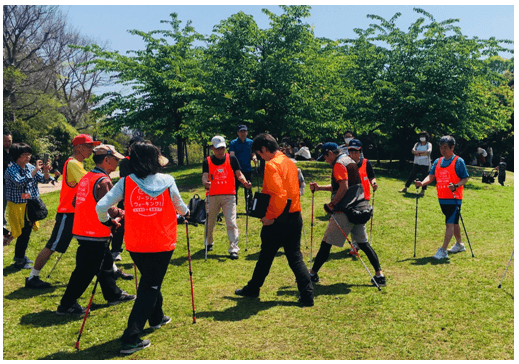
pixel 52 270
pixel 190 273
pixel 372 214
pixel 95 285
pixel 206 221
pixel 506 269
pixel 246 220
pixel 351 245
pixel 312 228
pixel 415 221
pixel 461 217
pixel 304 234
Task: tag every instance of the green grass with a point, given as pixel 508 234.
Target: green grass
pixel 429 309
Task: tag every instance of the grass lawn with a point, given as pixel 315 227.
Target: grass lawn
pixel 429 310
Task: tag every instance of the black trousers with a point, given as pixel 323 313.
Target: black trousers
pixel 23 240
pixel 89 256
pixel 417 170
pixel 148 305
pixel 324 253
pixel 248 193
pixel 288 236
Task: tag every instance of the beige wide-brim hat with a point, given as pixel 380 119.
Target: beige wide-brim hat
pixel 107 149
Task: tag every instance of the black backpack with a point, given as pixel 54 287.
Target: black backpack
pixel 197 212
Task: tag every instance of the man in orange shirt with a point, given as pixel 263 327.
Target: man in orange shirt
pixel 281 183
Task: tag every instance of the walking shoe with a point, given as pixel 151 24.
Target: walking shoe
pixel 314 277
pixel 457 248
pixel 381 281
pixel 165 320
pixel 36 283
pixel 132 348
pixel 305 303
pixel 125 297
pixel 21 263
pixel 403 190
pixel 116 256
pixel 119 273
pixel 441 254
pixel 75 309
pixel 27 260
pixel 210 247
pixel 246 292
pixel 234 255
pixel 351 252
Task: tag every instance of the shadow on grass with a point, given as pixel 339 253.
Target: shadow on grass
pixel 24 293
pixel 244 309
pixel 49 318
pixel 199 255
pixel 425 260
pixel 104 351
pixel 322 290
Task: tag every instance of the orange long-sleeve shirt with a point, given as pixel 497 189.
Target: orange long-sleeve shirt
pixel 281 182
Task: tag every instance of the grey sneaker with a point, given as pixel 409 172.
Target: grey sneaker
pixel 125 297
pixel 457 248
pixel 75 309
pixel 441 254
pixel 132 348
pixel 165 320
pixel 116 256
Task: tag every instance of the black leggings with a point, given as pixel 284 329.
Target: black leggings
pixel 324 253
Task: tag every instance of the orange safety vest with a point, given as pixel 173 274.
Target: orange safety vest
pixel 151 222
pixel 444 176
pixel 221 177
pixel 364 178
pixel 86 222
pixel 67 193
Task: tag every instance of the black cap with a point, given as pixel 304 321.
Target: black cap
pixel 242 127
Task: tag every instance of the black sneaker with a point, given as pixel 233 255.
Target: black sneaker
pixel 75 309
pixel 210 247
pixel 36 283
pixel 165 320
pixel 119 273
pixel 246 292
pixel 234 255
pixel 381 281
pixel 132 348
pixel 125 297
pixel 305 303
pixel 314 278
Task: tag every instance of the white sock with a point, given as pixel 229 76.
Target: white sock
pixel 115 268
pixel 34 273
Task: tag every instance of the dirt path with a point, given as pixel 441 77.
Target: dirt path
pixel 48 187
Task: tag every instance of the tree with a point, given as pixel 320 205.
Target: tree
pixel 166 82
pixel 428 78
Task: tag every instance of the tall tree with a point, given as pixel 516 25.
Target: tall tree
pixel 426 78
pixel 166 84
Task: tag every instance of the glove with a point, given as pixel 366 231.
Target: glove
pixel 180 219
pixel 327 209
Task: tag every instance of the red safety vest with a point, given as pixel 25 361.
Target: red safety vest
pixel 67 193
pixel 364 178
pixel 86 222
pixel 151 222
pixel 221 177
pixel 444 176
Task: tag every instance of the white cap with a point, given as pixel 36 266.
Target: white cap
pixel 218 142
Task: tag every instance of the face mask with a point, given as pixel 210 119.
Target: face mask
pixel 422 139
pixel 347 140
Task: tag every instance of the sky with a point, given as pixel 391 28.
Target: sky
pixel 111 22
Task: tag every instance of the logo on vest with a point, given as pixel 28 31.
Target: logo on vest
pixel 82 190
pixel 144 205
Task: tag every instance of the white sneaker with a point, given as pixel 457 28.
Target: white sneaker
pixel 457 248
pixel 116 256
pixel 441 254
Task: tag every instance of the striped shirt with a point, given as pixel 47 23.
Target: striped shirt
pixel 19 181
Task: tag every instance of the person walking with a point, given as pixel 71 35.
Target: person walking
pixel 422 161
pixel 281 184
pixel 21 185
pixel 61 235
pixel 241 148
pixel 501 167
pixel 346 189
pixel 152 201
pixel 218 176
pixel 366 172
pixel 450 173
pixel 93 257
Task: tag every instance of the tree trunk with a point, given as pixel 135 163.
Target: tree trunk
pixel 180 150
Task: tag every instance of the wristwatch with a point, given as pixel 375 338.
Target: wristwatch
pixel 456 185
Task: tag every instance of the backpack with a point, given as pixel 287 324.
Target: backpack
pixel 197 212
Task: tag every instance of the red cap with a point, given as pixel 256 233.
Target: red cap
pixel 84 139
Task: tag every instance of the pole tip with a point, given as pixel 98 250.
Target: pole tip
pixel 499 286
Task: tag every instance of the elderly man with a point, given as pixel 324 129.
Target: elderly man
pixel 218 176
pixel 450 173
pixel 61 235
